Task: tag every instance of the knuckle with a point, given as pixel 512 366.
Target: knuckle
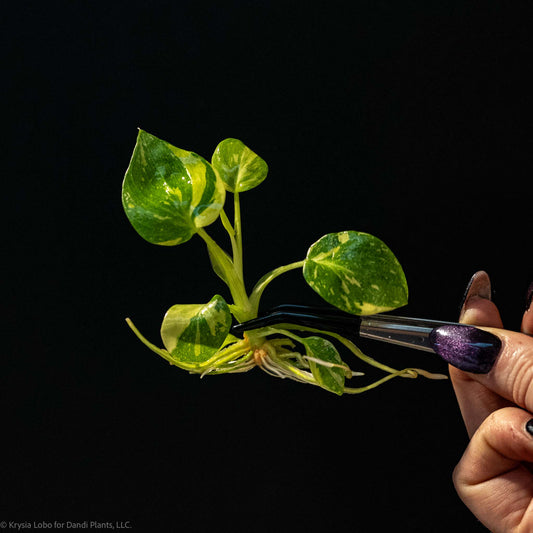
pixel 521 377
pixel 457 478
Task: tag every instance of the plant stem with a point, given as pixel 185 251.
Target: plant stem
pixel 163 353
pixel 237 225
pixel 223 356
pixel 232 278
pixel 260 286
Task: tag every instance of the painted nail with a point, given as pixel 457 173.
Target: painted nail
pixel 529 297
pixel 466 347
pixel 479 285
pixel 529 426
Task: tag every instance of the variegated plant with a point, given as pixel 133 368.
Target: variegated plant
pixel 170 194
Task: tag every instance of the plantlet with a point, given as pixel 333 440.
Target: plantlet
pixel 169 195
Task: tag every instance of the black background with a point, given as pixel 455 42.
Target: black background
pixel 409 120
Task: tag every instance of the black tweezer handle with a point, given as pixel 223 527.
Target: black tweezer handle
pixel 304 315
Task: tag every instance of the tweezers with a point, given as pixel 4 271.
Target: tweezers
pixel 465 347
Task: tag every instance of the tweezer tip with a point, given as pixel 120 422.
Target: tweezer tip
pixel 302 315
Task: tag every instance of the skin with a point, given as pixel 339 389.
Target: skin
pixel 494 478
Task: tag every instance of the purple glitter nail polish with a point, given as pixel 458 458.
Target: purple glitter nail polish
pixel 466 347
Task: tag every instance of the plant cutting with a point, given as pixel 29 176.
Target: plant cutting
pixel 171 195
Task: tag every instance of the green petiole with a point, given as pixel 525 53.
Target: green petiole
pixel 261 285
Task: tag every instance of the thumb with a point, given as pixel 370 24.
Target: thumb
pixel 491 477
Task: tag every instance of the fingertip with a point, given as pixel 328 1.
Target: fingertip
pixel 527 319
pixel 527 323
pixel 478 311
pixel 510 432
pixel 479 285
pixel 477 308
pixel 502 439
pixel 529 296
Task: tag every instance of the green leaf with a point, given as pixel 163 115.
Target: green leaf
pixel 355 272
pixel 192 334
pixel 326 364
pixel 239 168
pixel 169 193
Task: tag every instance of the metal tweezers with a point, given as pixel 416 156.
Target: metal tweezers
pixel 463 346
pixel 403 331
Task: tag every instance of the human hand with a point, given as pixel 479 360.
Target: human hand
pixel 494 478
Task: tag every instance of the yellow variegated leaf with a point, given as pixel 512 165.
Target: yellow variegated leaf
pixel 192 334
pixel 168 193
pixel 240 168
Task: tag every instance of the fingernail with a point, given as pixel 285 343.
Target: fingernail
pixel 479 285
pixel 466 347
pixel 529 426
pixel 529 297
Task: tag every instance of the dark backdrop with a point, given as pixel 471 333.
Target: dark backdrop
pixel 409 120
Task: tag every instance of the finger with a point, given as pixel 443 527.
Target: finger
pixel 512 373
pixel 511 376
pixel 477 307
pixel 527 319
pixel 476 402
pixel 491 477
pixel 481 312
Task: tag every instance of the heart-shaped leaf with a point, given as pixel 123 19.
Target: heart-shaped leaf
pixel 169 193
pixel 239 168
pixel 325 363
pixel 192 334
pixel 355 272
